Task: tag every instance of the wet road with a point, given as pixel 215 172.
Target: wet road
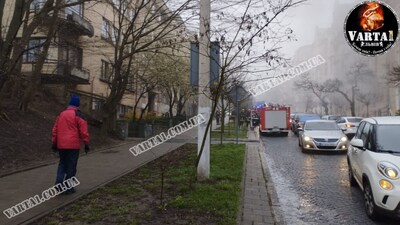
pixel 313 188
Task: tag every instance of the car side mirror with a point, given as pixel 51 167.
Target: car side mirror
pixel 357 143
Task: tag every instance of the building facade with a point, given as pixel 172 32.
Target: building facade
pixel 91 37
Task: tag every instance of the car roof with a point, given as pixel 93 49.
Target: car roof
pixel 352 117
pixel 306 114
pixel 321 121
pixel 383 120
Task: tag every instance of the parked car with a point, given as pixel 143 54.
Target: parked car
pixel 350 124
pixel 322 135
pixel 374 160
pixel 299 120
pixel 330 117
pixel 291 117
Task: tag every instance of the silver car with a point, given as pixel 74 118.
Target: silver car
pixel 322 135
pixel 349 124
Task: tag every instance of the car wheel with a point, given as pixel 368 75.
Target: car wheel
pixel 370 206
pixel 352 180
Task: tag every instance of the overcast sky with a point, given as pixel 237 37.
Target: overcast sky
pixel 306 18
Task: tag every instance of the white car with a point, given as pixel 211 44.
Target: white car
pixel 374 159
pixel 349 125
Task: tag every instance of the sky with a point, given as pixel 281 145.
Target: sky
pixel 305 18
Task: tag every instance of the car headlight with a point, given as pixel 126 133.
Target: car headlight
pixel 388 170
pixel 306 138
pixel 344 138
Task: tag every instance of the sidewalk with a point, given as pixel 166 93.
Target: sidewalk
pixel 100 168
pixel 255 204
pixel 94 170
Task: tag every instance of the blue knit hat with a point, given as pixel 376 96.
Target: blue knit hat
pixel 75 101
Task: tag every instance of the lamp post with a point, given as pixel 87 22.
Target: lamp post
pixel 203 168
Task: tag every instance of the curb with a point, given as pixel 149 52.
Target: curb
pixel 271 190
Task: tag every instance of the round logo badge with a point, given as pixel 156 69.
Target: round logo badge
pixel 371 28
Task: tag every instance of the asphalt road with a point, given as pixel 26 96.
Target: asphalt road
pixel 313 188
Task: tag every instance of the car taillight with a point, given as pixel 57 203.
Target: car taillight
pixel 349 125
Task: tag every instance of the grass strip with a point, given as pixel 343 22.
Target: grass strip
pixel 136 197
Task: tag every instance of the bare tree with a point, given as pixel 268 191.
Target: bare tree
pixel 240 33
pixel 138 26
pixel 393 77
pixel 318 90
pixel 26 17
pixel 368 98
pixel 357 73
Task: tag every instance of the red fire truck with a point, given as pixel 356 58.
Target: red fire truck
pixel 274 119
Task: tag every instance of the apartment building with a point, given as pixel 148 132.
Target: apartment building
pixel 92 37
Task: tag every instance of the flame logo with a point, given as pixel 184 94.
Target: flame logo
pixel 371 16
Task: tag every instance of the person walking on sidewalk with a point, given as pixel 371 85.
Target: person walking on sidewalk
pixel 70 128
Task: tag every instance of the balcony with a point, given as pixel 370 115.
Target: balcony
pixel 76 22
pixel 64 73
pixel 71 19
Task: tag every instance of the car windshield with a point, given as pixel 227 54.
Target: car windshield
pixel 354 120
pixel 387 138
pixel 321 126
pixel 305 118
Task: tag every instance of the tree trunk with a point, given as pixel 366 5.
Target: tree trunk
pixel 326 108
pixel 222 117
pixel 37 71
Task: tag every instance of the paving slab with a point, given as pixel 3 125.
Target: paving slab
pixel 255 203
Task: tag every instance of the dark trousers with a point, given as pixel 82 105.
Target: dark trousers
pixel 67 165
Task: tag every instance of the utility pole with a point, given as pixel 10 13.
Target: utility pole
pixel 203 168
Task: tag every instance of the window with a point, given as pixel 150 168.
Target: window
pixel 365 133
pixel 97 104
pixel 130 84
pixel 108 31
pixel 359 130
pixel 131 13
pixel 72 55
pixel 370 139
pixel 116 3
pixel 35 46
pixel 122 111
pixel 78 9
pixel 106 71
pixel 37 5
pixel 387 137
pixel 114 35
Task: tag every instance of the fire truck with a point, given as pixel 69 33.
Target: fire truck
pixel 274 120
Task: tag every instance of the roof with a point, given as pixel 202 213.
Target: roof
pixel 384 120
pixel 320 121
